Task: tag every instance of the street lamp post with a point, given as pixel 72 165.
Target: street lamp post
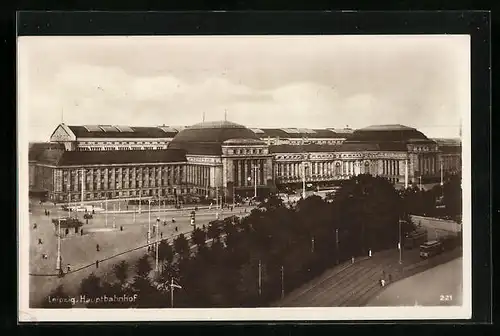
pixel 58 262
pixel 149 221
pixel 83 185
pixel 172 286
pixel 304 166
pixel 106 219
pixel 399 243
pixel 255 169
pixel 157 241
pixel 337 244
pixel 282 282
pixel 260 277
pixel 140 200
pixel 441 171
pixel 234 195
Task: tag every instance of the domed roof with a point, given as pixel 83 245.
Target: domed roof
pixel 207 137
pixel 382 133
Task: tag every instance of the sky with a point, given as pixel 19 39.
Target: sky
pixel 258 81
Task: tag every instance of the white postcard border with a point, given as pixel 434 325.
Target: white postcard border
pixel 26 314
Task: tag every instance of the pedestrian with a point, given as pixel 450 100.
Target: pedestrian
pixel 93 212
pixel 66 231
pixel 97 264
pixel 68 267
pixel 383 282
pixel 44 256
pixel 370 253
pixel 97 247
pixel 86 221
pixel 48 212
pixel 81 232
pixel 161 235
pixel 34 226
pixel 40 241
pixel 352 260
pixel 76 230
pixel 154 229
pixel 164 223
pixel 176 229
pixel 121 227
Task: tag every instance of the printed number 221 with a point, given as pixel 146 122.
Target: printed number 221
pixel 446 298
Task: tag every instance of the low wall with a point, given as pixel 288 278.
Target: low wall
pixel 437 223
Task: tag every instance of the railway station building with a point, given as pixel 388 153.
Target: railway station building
pixel 220 159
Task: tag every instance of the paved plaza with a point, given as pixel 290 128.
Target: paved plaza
pixel 80 250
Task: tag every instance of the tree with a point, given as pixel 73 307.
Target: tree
pixel 143 266
pixel 58 299
pixel 198 237
pixel 271 203
pixel 452 192
pixel 147 295
pixel 181 246
pixel 248 284
pixel 91 289
pixel 213 231
pixel 121 272
pixel 165 252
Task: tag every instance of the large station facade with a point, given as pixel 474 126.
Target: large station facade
pixel 223 159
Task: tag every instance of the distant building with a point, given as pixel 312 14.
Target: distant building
pixel 220 159
pixel 112 137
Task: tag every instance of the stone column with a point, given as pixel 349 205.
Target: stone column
pixel 406 173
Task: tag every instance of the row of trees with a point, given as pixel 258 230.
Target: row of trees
pixel 440 201
pixel 249 262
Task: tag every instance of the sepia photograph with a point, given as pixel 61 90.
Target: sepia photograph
pixel 244 177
